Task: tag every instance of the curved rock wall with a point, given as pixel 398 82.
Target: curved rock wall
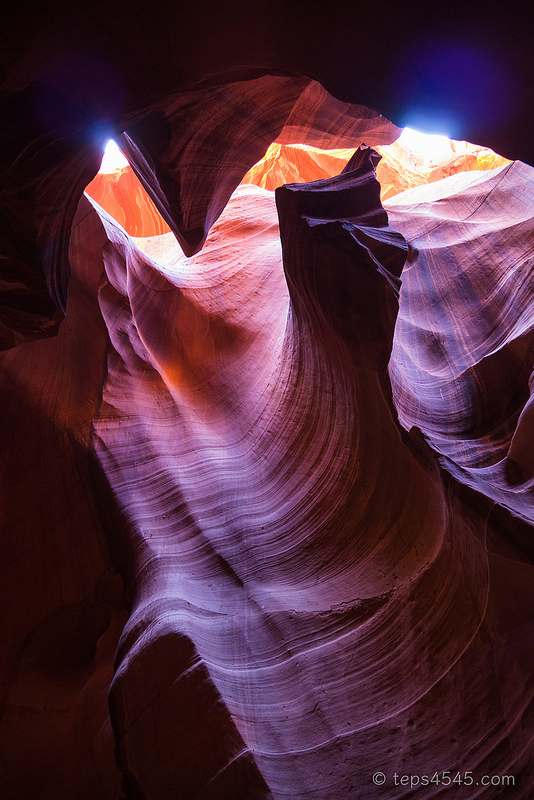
pixel 274 494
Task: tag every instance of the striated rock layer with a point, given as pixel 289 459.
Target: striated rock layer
pixel 275 493
pixel 464 348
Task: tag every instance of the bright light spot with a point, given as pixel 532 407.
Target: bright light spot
pixel 433 148
pixel 113 159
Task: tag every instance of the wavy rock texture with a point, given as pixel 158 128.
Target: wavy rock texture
pixel 464 348
pixel 310 468
pixel 123 197
pixel 285 524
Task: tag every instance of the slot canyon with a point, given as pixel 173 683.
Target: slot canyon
pixel 267 416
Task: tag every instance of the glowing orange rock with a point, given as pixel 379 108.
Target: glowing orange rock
pixel 296 163
pixel 122 196
pixel 399 169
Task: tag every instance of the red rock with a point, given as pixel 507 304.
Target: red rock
pixel 273 495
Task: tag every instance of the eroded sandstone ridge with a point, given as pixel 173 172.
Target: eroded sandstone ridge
pixel 268 488
pixel 123 197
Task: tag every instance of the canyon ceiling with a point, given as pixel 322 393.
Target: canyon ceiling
pixel 267 462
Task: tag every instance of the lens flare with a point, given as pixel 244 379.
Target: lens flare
pixel 432 147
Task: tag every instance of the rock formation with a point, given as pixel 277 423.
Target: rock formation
pixel 398 169
pixel 267 483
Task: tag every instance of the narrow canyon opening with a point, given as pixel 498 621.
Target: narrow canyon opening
pixel 415 159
